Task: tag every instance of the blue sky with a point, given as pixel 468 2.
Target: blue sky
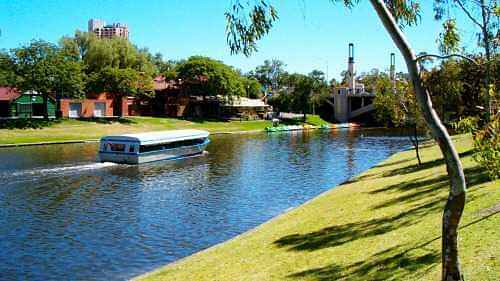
pixel 311 34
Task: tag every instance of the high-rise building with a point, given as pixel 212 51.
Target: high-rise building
pixel 102 30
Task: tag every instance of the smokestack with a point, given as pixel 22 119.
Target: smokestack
pixel 393 72
pixel 350 69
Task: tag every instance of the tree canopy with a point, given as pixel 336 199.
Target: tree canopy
pixel 211 77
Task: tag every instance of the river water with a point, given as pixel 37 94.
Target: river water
pixel 66 217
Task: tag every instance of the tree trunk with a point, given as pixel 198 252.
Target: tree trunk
pixel 414 141
pixel 486 42
pixel 415 135
pixel 456 200
pixel 45 106
pixel 117 105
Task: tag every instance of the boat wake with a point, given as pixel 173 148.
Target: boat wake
pixel 61 170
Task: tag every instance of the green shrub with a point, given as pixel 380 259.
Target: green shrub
pixel 466 125
pixel 487 147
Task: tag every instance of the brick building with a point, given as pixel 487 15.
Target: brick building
pixel 95 105
pixel 103 30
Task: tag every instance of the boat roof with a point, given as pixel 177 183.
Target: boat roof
pixel 158 137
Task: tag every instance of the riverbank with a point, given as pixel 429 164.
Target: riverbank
pixel 384 224
pixel 71 131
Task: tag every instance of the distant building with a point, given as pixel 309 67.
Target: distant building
pixel 95 106
pixel 15 104
pixel 102 30
pixel 352 100
pixel 246 108
pixel 182 98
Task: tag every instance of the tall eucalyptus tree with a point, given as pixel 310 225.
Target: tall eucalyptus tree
pixel 249 21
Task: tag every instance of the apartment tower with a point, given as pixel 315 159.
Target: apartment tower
pixel 102 30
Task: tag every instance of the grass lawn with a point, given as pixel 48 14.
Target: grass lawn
pixel 70 129
pixel 383 225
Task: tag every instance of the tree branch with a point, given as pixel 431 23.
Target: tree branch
pixel 469 15
pixel 421 57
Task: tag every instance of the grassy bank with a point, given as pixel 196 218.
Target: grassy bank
pixel 383 225
pixel 72 130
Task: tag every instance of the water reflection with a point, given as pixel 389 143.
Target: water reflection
pixel 66 217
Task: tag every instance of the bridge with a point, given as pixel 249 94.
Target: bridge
pixel 351 101
pixel 349 106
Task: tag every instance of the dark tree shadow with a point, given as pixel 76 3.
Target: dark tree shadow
pixel 27 123
pixel 418 190
pixel 337 235
pixel 108 120
pixel 394 163
pixel 330 272
pixel 426 165
pixel 202 120
pixel 394 263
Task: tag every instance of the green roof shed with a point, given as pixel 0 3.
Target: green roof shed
pixel 30 104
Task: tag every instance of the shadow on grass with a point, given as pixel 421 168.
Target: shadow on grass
pixel 108 120
pixel 426 165
pixel 395 162
pixel 203 120
pixel 337 235
pixel 26 123
pixel 419 190
pixel 394 263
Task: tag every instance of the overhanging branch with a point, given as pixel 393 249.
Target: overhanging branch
pixel 421 57
pixel 468 14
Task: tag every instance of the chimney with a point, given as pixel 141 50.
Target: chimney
pixel 350 69
pixel 393 72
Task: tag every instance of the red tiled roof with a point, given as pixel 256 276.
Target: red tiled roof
pixel 8 94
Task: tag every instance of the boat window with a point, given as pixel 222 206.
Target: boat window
pixel 149 148
pixel 171 145
pixel 131 148
pixel 116 146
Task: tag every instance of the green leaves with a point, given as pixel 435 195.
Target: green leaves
pixel 45 68
pixel 37 64
pixel 211 77
pixel 487 147
pixel 112 65
pixel 121 81
pixel 270 73
pixel 483 15
pixel 8 76
pixel 466 125
pixel 252 87
pixel 248 21
pixel 449 38
pixel 298 92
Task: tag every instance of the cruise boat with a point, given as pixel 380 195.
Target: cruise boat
pixel 154 146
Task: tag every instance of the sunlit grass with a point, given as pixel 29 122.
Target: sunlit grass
pixel 315 120
pixel 383 225
pixel 71 129
pixel 68 130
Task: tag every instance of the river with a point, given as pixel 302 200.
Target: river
pixel 66 217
